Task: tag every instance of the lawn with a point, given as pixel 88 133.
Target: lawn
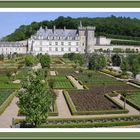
pixel 4 94
pixel 96 78
pixel 134 98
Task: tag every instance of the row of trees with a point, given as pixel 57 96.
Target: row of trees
pixel 112 27
pixel 131 63
pixel 120 42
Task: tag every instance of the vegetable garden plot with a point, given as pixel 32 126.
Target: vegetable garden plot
pixel 94 99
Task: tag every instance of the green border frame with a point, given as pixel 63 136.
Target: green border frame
pixel 69 4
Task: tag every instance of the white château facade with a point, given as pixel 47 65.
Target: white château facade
pixel 60 41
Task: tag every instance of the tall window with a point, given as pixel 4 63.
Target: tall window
pixel 50 43
pixel 56 43
pixel 40 48
pixel 77 49
pixel 50 49
pixel 62 49
pixel 69 43
pixel 69 49
pixel 62 43
pixel 77 43
pixel 56 49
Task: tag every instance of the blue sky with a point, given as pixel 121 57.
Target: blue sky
pixel 12 20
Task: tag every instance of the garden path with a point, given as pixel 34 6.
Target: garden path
pixel 63 110
pixel 132 110
pixel 75 82
pixel 52 73
pixel 10 113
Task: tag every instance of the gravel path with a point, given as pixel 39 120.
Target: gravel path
pixel 75 82
pixel 10 113
pixel 63 110
pixel 52 73
pixel 132 111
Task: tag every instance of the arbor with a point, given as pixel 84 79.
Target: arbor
pixel 45 60
pixel 35 100
pixel 116 60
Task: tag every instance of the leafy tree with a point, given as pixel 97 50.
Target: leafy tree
pixel 97 62
pixel 124 65
pixel 45 61
pixel 135 67
pixel 35 100
pixel 30 60
pixel 116 60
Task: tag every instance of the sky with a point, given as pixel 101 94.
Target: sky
pixel 9 21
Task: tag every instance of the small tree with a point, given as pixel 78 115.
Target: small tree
pixel 35 101
pixel 124 66
pixel 45 61
pixel 135 67
pixel 29 60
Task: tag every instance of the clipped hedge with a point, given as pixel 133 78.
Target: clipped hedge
pixel 69 102
pixel 55 112
pixel 131 103
pixel 116 103
pixel 75 112
pixel 7 102
pixel 85 87
pixel 90 125
pixel 135 82
pixel 106 71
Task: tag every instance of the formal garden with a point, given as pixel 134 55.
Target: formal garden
pixel 29 79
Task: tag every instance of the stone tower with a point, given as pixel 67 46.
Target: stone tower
pixel 87 39
pixel 90 39
pixel 82 37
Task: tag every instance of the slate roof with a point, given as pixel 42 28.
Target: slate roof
pixel 56 34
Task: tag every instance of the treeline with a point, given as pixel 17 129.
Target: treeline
pixel 118 42
pixel 112 27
